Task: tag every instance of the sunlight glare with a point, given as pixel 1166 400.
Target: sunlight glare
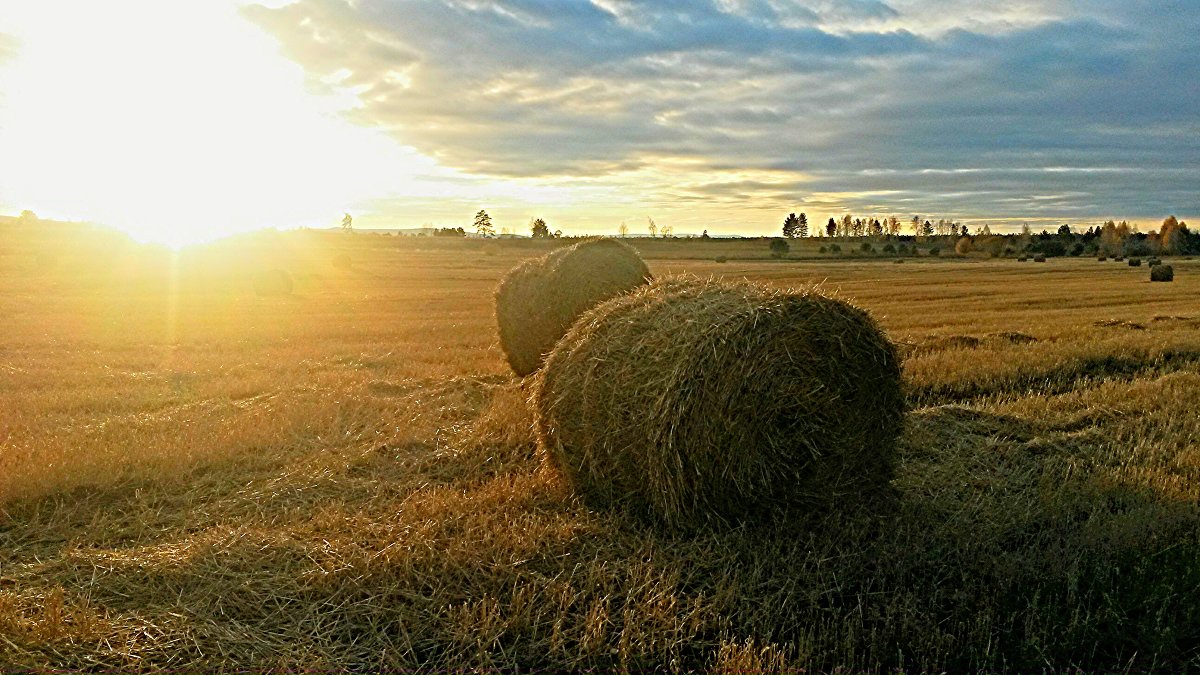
pixel 177 122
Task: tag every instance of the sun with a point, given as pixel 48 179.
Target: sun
pixel 177 122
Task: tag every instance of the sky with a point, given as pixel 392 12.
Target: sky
pixel 189 119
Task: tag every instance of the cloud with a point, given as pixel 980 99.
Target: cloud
pixel 605 90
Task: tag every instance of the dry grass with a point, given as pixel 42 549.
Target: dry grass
pixel 193 477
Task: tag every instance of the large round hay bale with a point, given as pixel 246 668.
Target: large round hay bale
pixel 1162 273
pixel 538 300
pixel 273 282
pixel 690 401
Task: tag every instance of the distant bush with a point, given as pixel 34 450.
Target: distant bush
pixel 889 248
pixel 779 247
pixel 1162 273
pixel 821 250
pixel 964 246
pixel 834 248
pixel 1077 250
pixel 1008 252
pixel 720 259
pixel 867 247
pixel 1051 248
pixel 935 251
pixel 1135 247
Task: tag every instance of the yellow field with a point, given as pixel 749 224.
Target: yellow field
pixel 194 476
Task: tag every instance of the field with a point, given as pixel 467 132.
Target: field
pixel 193 476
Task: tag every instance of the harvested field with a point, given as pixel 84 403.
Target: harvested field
pixel 196 477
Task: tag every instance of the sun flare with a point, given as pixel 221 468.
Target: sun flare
pixel 176 122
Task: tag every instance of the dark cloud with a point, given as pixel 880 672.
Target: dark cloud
pixel 846 93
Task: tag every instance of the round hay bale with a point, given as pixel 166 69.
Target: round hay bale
pixel 538 300
pixel 1154 262
pixel 689 402
pixel 1022 259
pixel 1102 258
pixel 273 282
pixel 1040 258
pixel 1135 262
pixel 1162 273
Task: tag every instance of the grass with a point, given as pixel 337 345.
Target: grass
pixel 195 477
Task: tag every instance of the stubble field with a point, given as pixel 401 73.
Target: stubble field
pixel 194 476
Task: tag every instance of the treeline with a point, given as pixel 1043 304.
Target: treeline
pixel 1112 238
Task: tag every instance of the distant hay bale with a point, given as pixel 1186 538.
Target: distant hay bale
pixel 1039 258
pixel 1154 262
pixel 538 300
pixel 688 402
pixel 1102 258
pixel 1135 262
pixel 720 259
pixel 1022 259
pixel 273 282
pixel 1162 273
pixel 1119 258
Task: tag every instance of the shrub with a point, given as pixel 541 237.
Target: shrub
pixel 1135 262
pixel 1077 250
pixel 1039 258
pixel 964 246
pixel 1008 252
pixel 538 300
pixel 889 248
pixel 834 248
pixel 1051 248
pixel 867 247
pixel 690 402
pixel 720 259
pixel 273 282
pixel 1162 273
pixel 821 250
pixel 779 247
pixel 935 251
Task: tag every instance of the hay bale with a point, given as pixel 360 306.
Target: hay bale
pixel 691 402
pixel 1162 273
pixel 1154 262
pixel 1040 258
pixel 1135 262
pixel 1102 258
pixel 273 282
pixel 538 300
pixel 1022 259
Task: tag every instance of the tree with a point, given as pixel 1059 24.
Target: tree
pixel 667 231
pixel 483 224
pixel 539 229
pixel 704 234
pixel 347 223
pixel 28 217
pixel 623 230
pixel 650 225
pixel 791 226
pixel 916 225
pixel 831 228
pixel 1064 230
pixel 803 225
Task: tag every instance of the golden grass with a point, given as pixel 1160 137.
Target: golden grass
pixel 346 478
